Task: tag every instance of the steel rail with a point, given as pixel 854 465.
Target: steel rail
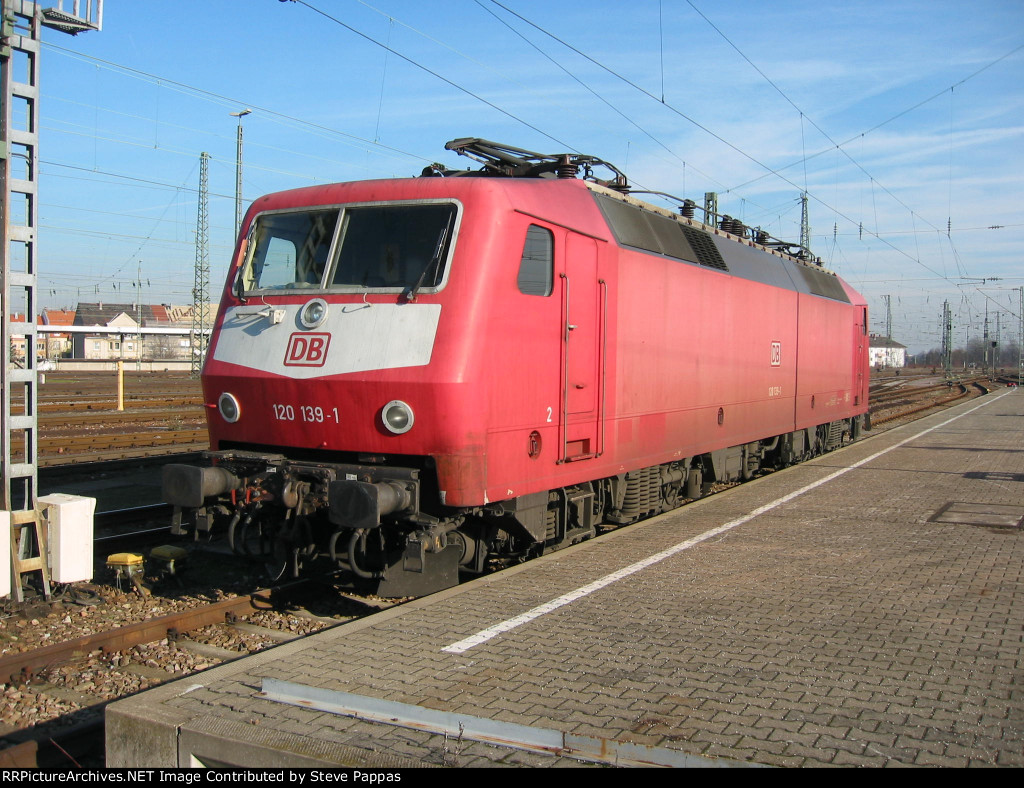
pixel 128 453
pixel 99 442
pixel 936 404
pixel 65 404
pixel 19 668
pixel 129 417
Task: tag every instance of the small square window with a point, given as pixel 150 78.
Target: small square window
pixel 536 268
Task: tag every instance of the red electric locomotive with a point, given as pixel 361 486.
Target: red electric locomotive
pixel 410 378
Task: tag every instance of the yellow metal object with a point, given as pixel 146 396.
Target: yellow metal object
pixel 168 552
pixel 170 557
pixel 128 566
pixel 125 561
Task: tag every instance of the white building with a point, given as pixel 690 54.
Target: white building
pixel 886 352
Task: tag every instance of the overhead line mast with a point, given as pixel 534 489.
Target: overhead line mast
pixel 200 293
pixel 20 40
pixel 805 226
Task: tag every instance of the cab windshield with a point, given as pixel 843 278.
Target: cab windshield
pixel 396 247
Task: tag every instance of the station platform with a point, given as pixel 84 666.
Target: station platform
pixel 862 609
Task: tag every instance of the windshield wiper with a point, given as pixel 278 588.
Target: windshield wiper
pixel 432 265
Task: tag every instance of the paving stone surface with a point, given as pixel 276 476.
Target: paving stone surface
pixel 847 625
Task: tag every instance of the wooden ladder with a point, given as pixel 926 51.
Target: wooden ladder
pixel 27 524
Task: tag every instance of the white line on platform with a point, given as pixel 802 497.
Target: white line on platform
pixel 486 634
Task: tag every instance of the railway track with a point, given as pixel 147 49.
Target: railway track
pixel 23 667
pixel 78 676
pixel 107 404
pixel 78 419
pixel 114 446
pixel 903 404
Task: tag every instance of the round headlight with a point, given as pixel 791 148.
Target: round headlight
pixel 314 313
pixel 228 407
pixel 397 417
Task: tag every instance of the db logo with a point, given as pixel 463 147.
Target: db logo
pixel 776 354
pixel 307 350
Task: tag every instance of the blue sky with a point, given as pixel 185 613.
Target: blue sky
pixel 902 121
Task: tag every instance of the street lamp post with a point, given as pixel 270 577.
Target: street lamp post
pixel 238 170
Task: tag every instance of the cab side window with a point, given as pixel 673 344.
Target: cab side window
pixel 536 268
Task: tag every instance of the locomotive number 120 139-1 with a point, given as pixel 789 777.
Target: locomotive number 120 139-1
pixel 309 413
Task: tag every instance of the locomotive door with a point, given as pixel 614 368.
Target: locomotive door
pixel 860 362
pixel 583 306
